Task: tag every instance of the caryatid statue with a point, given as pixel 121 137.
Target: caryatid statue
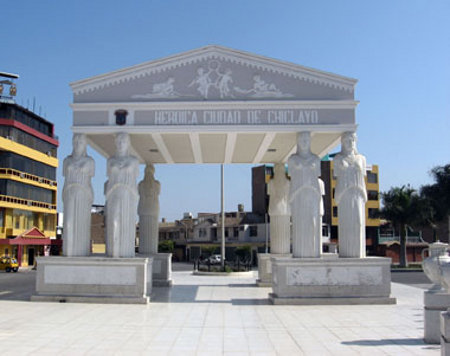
pixel 148 210
pixel 121 200
pixel 305 197
pixel 351 197
pixel 279 211
pixel 77 196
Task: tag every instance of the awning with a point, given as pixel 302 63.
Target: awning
pixel 32 236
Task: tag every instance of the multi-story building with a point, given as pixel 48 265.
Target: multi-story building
pixel 28 162
pixel 192 235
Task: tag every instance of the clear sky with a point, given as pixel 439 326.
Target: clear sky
pixel 398 50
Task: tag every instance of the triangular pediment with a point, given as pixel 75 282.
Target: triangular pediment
pixel 213 73
pixel 33 233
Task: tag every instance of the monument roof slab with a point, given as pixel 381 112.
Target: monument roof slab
pixel 214 105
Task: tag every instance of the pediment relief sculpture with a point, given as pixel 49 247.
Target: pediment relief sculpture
pixel 214 78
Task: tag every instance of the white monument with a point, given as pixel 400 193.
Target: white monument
pixel 305 198
pixel 279 211
pixel 78 196
pixel 308 279
pixel 280 224
pixel 148 209
pixel 351 197
pixel 436 299
pixel 121 200
pixel 78 277
pixel 216 105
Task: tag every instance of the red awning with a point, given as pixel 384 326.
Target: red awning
pixel 30 237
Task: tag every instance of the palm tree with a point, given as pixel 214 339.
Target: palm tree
pixel 403 207
pixel 439 193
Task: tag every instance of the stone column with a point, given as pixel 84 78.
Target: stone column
pixel 78 196
pixel 280 225
pixel 121 200
pixel 305 197
pixel 148 210
pixel 351 197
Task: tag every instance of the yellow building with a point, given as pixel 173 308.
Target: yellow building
pixel 28 151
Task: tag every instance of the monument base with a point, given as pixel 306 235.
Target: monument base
pixel 265 268
pixel 331 281
pixel 445 333
pixel 93 280
pixel 161 269
pixel 435 302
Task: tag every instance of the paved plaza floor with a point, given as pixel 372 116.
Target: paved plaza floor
pixel 206 315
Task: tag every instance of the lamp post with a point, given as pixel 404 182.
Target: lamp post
pixel 222 217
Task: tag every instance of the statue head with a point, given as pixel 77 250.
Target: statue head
pixel 348 142
pixel 79 145
pixel 304 142
pixel 122 143
pixel 149 170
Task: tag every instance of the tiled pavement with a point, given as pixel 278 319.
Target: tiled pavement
pixel 205 315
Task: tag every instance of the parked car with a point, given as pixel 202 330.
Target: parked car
pixel 8 264
pixel 215 259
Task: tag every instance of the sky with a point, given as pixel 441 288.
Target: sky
pixel 398 50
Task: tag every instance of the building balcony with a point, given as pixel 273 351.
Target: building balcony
pixel 391 236
pixel 26 204
pixel 10 173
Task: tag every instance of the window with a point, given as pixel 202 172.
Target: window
pixel 2 217
pixel 372 177
pixel 334 191
pixel 372 195
pixel 49 222
pixel 26 139
pixel 214 232
pixel 28 221
pixel 235 231
pixel 16 218
pixel 21 163
pixel 25 191
pixel 253 230
pixel 335 211
pixel 373 213
pixel 201 232
pixel 29 119
pixel 325 230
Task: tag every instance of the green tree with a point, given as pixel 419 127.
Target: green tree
pixel 166 246
pixel 243 252
pixel 403 207
pixel 209 250
pixel 438 194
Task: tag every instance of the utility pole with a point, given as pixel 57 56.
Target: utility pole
pixel 222 217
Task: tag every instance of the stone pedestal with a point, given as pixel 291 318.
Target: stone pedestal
pixel 265 268
pixel 312 281
pixel 161 269
pixel 445 333
pixel 93 280
pixel 435 302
